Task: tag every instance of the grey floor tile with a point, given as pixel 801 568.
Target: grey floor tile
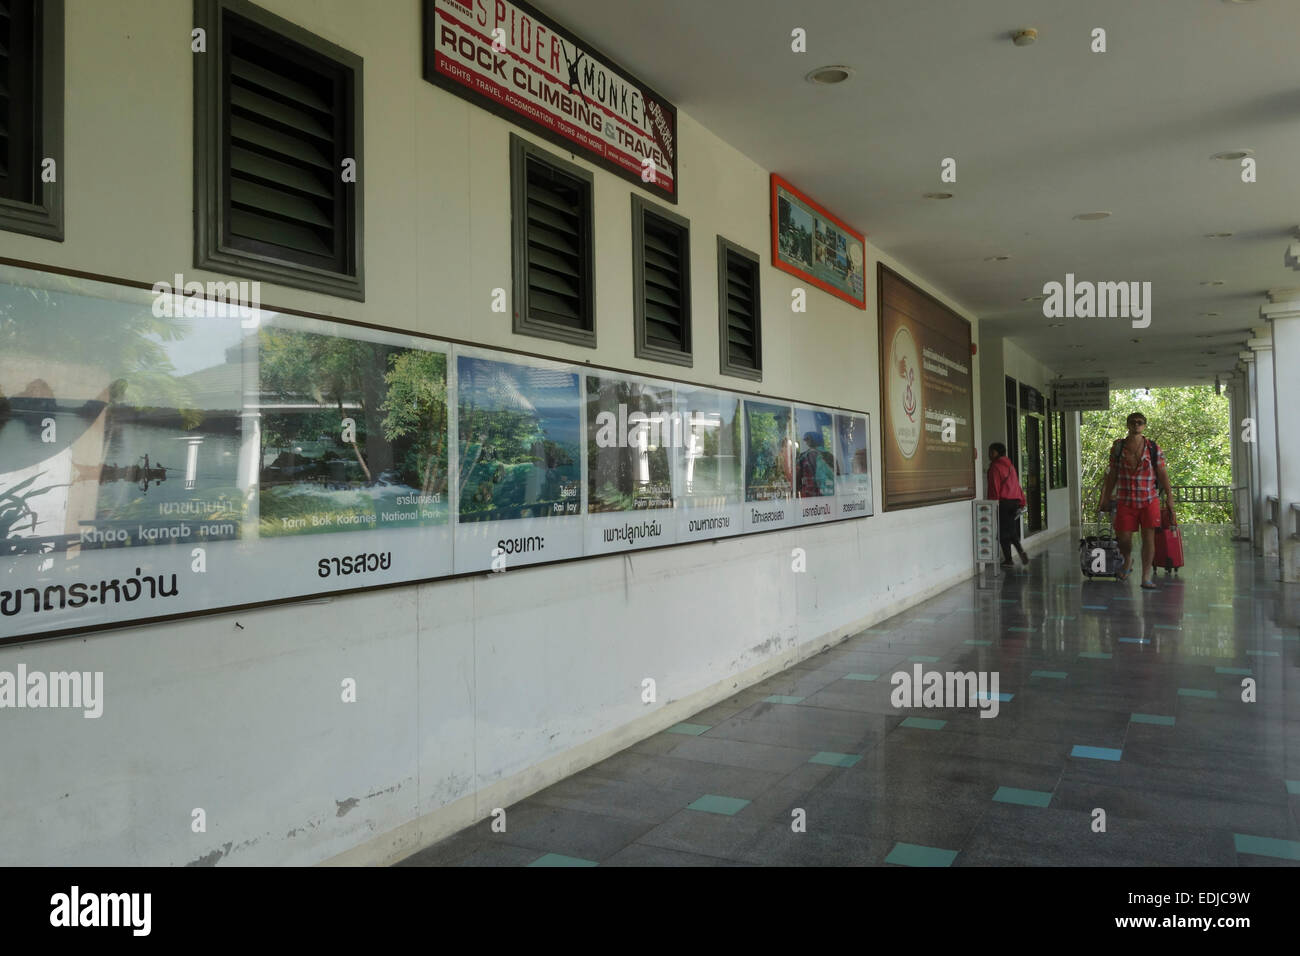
pixel 590 836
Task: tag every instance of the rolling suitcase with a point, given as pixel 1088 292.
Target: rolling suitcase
pixel 1169 545
pixel 1099 555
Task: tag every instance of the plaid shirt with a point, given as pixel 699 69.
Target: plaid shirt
pixel 1137 487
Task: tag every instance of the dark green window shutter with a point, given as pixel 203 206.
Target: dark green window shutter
pixel 31 116
pixel 552 246
pixel 287 127
pixel 739 313
pixel 558 234
pixel 661 283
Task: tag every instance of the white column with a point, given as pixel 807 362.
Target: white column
pixel 1266 433
pixel 1074 467
pixel 1284 323
pixel 1241 478
pixel 1247 358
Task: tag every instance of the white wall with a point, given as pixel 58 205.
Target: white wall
pixel 474 692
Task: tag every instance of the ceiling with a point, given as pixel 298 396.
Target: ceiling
pixel 1040 133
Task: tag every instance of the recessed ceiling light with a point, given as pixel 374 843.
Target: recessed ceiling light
pixel 1035 298
pixel 1211 314
pixel 996 258
pixel 1218 235
pixel 1024 37
pixel 1074 346
pixel 1202 365
pixel 1057 325
pixel 1091 216
pixel 1147 362
pixel 1233 154
pixel 829 75
pixel 936 195
pixel 1212 282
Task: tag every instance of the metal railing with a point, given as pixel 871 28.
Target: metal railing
pixel 1204 494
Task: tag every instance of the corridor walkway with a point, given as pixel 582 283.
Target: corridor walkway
pixel 1113 699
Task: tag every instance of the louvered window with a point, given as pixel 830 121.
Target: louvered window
pixel 661 283
pixel 31 116
pixel 282 153
pixel 740 328
pixel 551 222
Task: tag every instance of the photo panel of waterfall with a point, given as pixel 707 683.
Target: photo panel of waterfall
pixel 125 465
pixel 518 474
pixel 633 434
pixel 353 439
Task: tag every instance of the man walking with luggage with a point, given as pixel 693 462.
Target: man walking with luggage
pixel 1003 486
pixel 1136 476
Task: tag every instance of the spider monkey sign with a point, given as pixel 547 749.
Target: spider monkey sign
pixel 521 65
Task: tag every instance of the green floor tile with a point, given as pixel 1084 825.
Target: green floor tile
pixel 1234 670
pixel 834 759
pixel 1293 786
pixel 1193 692
pixel 1055 675
pixel 1151 719
pixel 911 854
pixel 1095 655
pixel 1227 606
pixel 1168 627
pixel 1023 630
pixel 781 699
pixel 727 806
pixel 1026 798
pixel 1261 653
pixel 923 723
pixel 693 729
pixel 861 676
pixel 559 859
pixel 1267 846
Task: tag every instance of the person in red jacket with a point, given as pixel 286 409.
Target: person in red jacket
pixel 1003 486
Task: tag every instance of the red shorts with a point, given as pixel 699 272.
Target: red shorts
pixel 1131 517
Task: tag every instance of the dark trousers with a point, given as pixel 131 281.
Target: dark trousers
pixel 1008 528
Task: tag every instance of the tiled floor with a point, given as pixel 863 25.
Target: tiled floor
pixel 1113 701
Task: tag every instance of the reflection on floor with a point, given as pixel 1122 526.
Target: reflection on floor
pixel 1112 699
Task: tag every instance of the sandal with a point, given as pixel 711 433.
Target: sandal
pixel 1149 586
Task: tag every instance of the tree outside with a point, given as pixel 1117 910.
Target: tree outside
pixel 1192 428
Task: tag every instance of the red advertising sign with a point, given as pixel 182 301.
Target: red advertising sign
pixel 509 59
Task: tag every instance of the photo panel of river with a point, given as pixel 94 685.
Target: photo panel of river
pixel 353 431
pixel 120 420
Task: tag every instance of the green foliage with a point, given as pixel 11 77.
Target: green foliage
pixel 1191 426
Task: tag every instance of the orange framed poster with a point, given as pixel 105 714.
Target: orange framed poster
pixel 812 243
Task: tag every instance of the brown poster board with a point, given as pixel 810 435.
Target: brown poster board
pixel 926 397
